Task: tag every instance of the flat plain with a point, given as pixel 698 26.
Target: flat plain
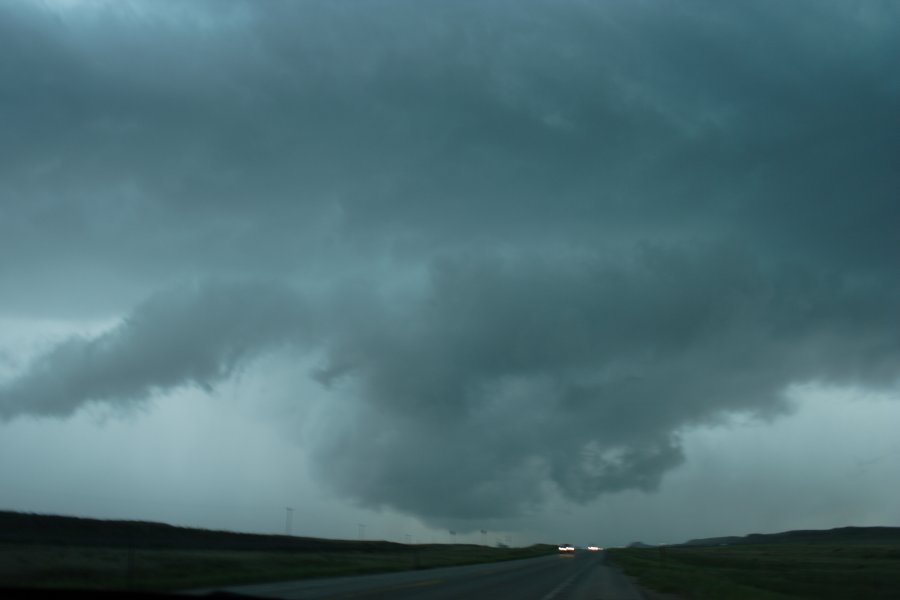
pixel 64 552
pixel 820 571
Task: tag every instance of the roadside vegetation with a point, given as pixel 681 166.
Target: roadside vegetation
pixel 62 552
pixel 158 569
pixel 820 571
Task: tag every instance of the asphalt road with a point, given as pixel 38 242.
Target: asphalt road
pixel 580 576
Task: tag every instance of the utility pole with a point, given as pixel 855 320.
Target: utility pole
pixel 288 520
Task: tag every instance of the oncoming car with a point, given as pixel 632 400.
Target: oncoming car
pixel 594 548
pixel 566 548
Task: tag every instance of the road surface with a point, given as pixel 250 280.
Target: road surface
pixel 579 576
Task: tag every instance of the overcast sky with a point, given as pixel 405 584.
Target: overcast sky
pixel 593 270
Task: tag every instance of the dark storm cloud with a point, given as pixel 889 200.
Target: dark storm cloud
pixel 503 376
pixel 306 125
pixel 196 335
pixel 580 372
pixel 632 217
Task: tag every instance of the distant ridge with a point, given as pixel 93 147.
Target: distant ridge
pixel 29 528
pixel 839 535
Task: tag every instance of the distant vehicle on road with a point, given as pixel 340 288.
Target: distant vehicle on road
pixel 566 548
pixel 594 548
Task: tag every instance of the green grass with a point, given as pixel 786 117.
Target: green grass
pixel 59 566
pixel 69 552
pixel 768 572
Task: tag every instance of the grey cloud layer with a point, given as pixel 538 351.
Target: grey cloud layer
pixel 442 124
pixel 501 377
pixel 580 226
pixel 193 335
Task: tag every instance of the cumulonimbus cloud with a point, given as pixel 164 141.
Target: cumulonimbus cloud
pixel 570 229
pixel 501 377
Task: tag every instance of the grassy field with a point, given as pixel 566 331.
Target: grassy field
pixel 768 572
pixel 66 552
pixel 158 569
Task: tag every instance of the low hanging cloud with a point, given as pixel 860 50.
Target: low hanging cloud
pixel 502 379
pixel 509 375
pixel 530 243
pixel 192 335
